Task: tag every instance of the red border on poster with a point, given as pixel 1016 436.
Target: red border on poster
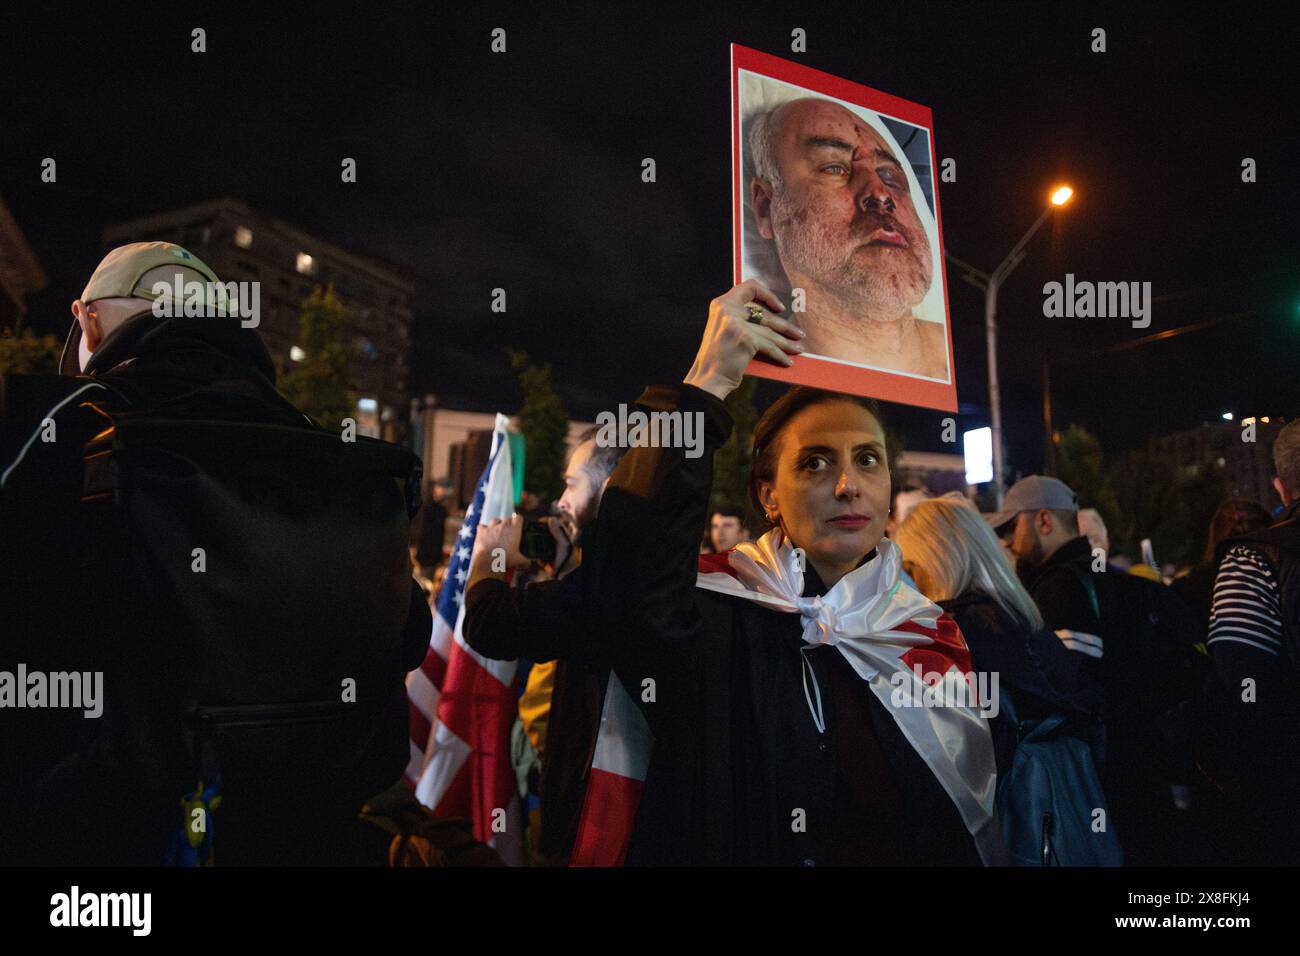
pixel 808 370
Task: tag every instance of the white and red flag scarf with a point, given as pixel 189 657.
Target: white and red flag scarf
pixel 892 636
pixel 462 705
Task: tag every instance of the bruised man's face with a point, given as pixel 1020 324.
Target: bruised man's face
pixel 841 211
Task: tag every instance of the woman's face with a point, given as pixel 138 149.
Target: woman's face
pixel 831 490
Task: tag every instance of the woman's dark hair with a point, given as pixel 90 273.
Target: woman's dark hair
pixel 1234 517
pixel 767 432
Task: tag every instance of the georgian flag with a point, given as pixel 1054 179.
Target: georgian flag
pixel 618 771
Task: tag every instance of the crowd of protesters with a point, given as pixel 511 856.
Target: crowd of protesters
pixel 1184 763
pixel 1164 702
pixel 856 677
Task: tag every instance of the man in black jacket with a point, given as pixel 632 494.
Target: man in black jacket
pixel 1086 605
pixel 1039 519
pixel 84 594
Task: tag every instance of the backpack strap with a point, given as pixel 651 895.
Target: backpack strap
pixel 34 401
pixel 1089 586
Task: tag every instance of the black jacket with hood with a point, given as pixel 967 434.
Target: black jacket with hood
pixel 62 789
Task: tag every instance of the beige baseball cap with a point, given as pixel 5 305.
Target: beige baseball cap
pixel 118 275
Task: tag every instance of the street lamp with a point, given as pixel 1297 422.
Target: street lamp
pixel 990 283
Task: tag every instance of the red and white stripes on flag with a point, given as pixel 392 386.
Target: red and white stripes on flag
pixel 618 771
pixel 462 705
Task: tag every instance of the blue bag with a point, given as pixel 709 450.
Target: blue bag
pixel 1046 801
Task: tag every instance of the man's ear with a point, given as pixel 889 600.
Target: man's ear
pixel 1280 488
pixel 91 330
pixel 1044 521
pixel 761 190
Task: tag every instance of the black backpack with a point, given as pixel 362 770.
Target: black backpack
pixel 1155 644
pixel 248 597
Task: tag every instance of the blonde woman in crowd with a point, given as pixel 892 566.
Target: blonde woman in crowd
pixel 955 559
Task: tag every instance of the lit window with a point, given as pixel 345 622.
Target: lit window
pixel 305 264
pixel 297 354
pixel 243 237
pixel 367 406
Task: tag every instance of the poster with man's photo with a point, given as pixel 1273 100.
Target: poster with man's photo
pixel 836 210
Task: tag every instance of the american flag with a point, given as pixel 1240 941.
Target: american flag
pixel 462 705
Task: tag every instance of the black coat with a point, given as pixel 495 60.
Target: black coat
pixel 545 621
pixel 60 768
pixel 737 760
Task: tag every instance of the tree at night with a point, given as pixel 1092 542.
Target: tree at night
pixel 732 463
pixel 545 427
pixel 29 354
pixel 320 385
pixel 1081 464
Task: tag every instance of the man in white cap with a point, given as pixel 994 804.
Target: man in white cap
pixel 127 284
pixel 172 524
pixel 132 339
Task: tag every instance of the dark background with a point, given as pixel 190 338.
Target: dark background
pixel 522 171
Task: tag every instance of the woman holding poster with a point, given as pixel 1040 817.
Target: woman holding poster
pixel 786 681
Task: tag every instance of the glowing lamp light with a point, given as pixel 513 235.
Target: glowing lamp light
pixel 1062 195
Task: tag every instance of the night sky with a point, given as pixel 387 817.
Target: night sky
pixel 522 171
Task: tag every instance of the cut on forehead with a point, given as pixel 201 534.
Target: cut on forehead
pixel 801 119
